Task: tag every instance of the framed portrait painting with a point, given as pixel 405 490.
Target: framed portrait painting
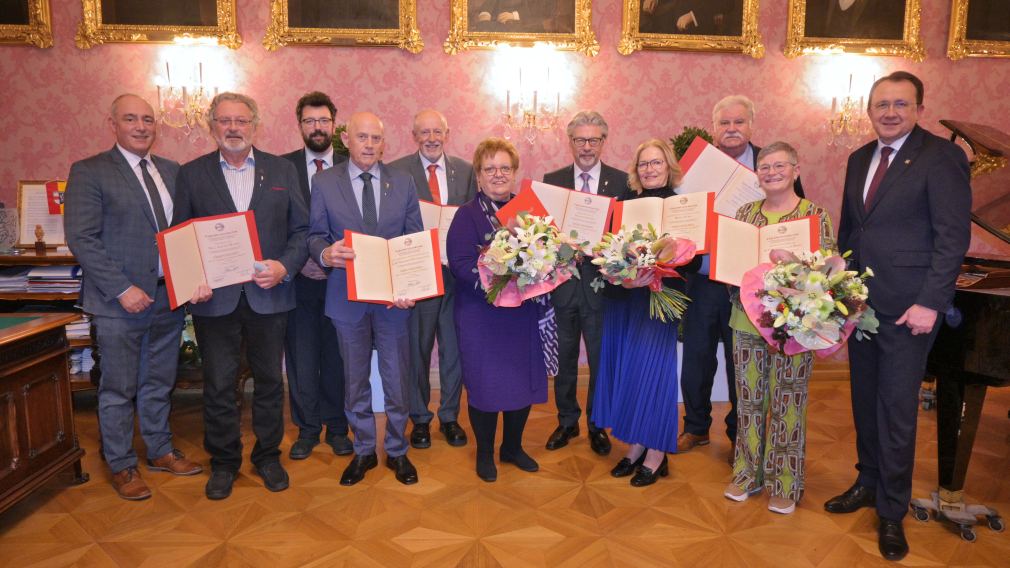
pixel 979 28
pixel 367 23
pixel 729 26
pixel 143 21
pixel 484 24
pixel 870 27
pixel 26 22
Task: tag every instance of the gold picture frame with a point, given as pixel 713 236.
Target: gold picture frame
pixel 33 204
pixel 908 45
pixel 748 42
pixel 38 31
pixel 94 31
pixel 405 36
pixel 960 46
pixel 581 39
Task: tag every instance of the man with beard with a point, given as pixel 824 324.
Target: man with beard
pixel 232 179
pixel 443 180
pixel 312 355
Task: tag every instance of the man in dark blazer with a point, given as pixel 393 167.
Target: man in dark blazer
pixel 312 355
pixel 443 180
pixel 577 306
pixel 366 196
pixel 706 320
pixel 238 178
pixel 116 202
pixel 906 215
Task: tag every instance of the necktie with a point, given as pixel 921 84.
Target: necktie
pixel 319 164
pixel 152 192
pixel 585 182
pixel 436 195
pixel 878 176
pixel 368 215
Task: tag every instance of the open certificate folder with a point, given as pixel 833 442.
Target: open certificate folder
pixel 738 247
pixel 402 267
pixel 707 168
pixel 438 217
pixel 219 250
pixel 687 216
pixel 584 213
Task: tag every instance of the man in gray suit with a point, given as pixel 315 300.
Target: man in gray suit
pixel 116 202
pixel 443 180
pixel 366 196
pixel 237 178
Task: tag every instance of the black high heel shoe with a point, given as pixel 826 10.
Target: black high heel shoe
pixel 645 476
pixel 626 467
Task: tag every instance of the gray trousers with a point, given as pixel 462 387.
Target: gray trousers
pixel 431 318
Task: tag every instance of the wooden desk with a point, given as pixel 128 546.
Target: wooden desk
pixel 37 435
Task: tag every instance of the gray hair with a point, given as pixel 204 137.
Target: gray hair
pixel 588 118
pixel 778 147
pixel 234 97
pixel 733 100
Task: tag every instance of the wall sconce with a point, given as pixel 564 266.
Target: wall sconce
pixel 183 94
pixel 536 80
pixel 848 123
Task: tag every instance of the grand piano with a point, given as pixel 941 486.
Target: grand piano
pixel 972 350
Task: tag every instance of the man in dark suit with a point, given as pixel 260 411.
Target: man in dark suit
pixel 906 215
pixel 116 202
pixel 443 180
pixel 366 196
pixel 232 179
pixel 312 355
pixel 577 306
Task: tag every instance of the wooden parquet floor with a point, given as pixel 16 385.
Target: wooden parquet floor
pixel 570 513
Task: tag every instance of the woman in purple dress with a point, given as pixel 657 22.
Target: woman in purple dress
pixel 499 348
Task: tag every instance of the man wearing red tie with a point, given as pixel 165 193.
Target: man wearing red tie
pixel 443 180
pixel 311 353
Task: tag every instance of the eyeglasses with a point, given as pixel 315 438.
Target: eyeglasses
pixel 324 122
pixel 898 106
pixel 491 171
pixel 239 122
pixel 654 164
pixel 593 142
pixel 779 167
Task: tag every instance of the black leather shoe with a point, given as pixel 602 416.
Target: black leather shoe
pixel 891 540
pixel 559 438
pixel 340 444
pixel 274 477
pixel 626 467
pixel 302 448
pixel 420 436
pixel 405 471
pixel 355 470
pixel 645 476
pixel 486 469
pixel 853 499
pixel 599 442
pixel 219 485
pixel 521 459
pixel 453 433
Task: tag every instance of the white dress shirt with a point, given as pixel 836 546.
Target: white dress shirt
pixel 443 180
pixel 310 162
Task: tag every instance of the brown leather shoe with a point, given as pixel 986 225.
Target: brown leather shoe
pixel 129 485
pixel 174 462
pixel 687 440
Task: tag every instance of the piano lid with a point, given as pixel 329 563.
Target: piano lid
pixel 990 180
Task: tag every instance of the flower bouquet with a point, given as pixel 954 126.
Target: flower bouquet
pixel 526 258
pixel 807 303
pixel 635 258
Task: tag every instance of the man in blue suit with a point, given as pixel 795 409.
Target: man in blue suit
pixel 366 196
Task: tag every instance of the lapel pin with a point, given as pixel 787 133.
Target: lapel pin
pixel 908 162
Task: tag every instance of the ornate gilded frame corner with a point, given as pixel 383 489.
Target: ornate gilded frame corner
pixel 582 40
pixel 407 36
pixel 38 32
pixel 92 31
pixel 910 46
pixel 958 44
pixel 748 42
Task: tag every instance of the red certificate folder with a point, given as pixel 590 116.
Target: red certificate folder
pixel 738 246
pixel 219 250
pixel 385 269
pixel 526 201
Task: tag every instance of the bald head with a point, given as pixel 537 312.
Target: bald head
pixel 364 139
pixel 431 132
pixel 132 120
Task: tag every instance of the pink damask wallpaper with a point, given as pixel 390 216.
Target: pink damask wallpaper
pixel 54 101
